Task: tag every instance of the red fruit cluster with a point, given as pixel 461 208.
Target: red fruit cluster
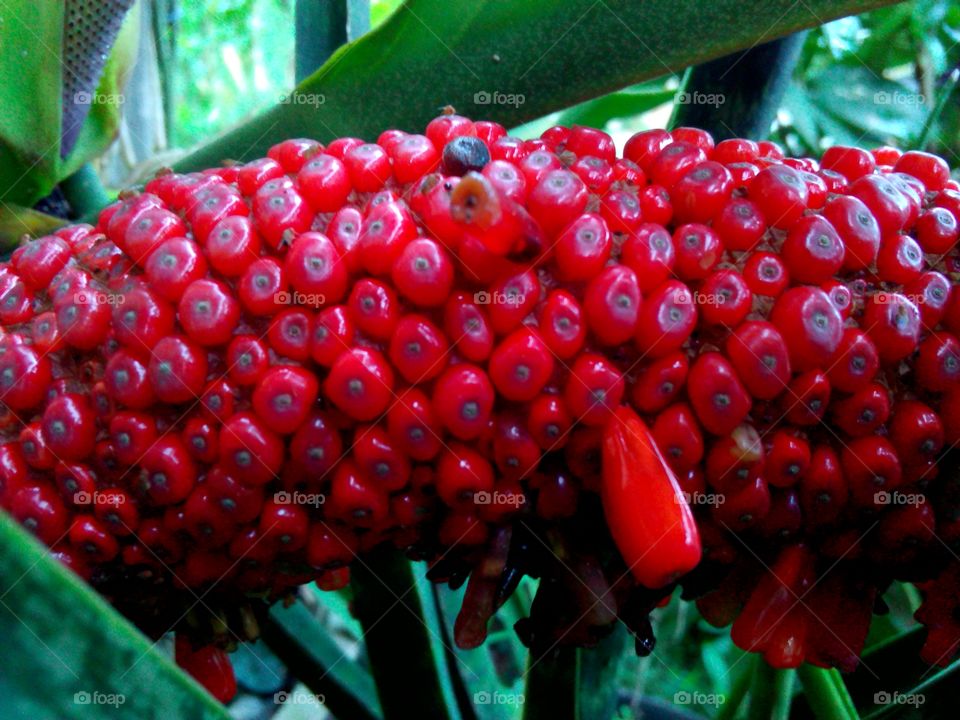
pixel 245 376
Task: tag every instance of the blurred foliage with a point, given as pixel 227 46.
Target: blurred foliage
pixel 233 59
pixel 871 79
pixel 875 79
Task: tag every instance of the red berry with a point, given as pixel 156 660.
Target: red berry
pixel 659 383
pixel 698 250
pixel 855 361
pixel 810 325
pixel 812 250
pixel 931 170
pixel 280 210
pixel 262 286
pixel 700 194
pixel 562 325
pixel 324 182
pixel 368 166
pixel 284 396
pixel 423 273
pixel 582 249
pixel 374 308
pixel 69 427
pixel 724 298
pixel 611 305
pixel 208 312
pixel 463 475
pixel 937 230
pixel 412 424
pixel 667 318
pixel 900 260
pixel 649 252
pixel 360 383
pixel 851 162
pixel 781 194
pixel 740 224
pixel 759 354
pixel 716 394
pixel 177 370
pixel 418 349
pixel 521 365
pixel 893 323
pixel 678 437
pixel 593 390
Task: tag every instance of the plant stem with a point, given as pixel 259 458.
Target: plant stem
pixel 738 95
pixel 738 692
pixel 411 678
pixel 771 692
pixel 324 25
pixel 552 686
pixel 826 693
pixel 84 191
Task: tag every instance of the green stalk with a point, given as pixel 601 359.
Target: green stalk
pixel 552 691
pixel 771 693
pixel 84 191
pixel 826 693
pixel 738 95
pixel 408 668
pixel 739 690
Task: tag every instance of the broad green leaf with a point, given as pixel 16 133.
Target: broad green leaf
pixel 70 655
pixel 31 76
pixel 509 61
pixel 30 39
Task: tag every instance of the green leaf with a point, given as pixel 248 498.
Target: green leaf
pixel 16 221
pixel 317 661
pixel 509 62
pixel 31 75
pixel 64 644
pixel 626 103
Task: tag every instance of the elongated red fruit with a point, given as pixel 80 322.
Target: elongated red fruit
pixel 648 515
pixel 209 665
